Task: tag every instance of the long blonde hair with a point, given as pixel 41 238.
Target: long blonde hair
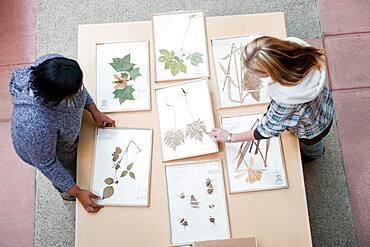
pixel 286 62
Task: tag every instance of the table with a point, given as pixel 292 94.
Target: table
pixel 275 218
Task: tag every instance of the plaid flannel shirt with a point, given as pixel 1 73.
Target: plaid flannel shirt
pixel 306 120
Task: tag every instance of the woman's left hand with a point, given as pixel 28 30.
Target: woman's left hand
pixel 219 135
pixel 103 120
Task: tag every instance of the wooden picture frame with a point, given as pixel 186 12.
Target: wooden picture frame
pixel 196 119
pixel 209 187
pixel 131 92
pixel 234 89
pixel 183 64
pixel 254 177
pixel 127 171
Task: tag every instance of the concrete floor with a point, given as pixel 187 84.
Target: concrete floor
pixel 327 194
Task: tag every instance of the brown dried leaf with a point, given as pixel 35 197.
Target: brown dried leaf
pixel 130 166
pixel 108 192
pixel 116 154
pixel 109 181
pixel 253 176
pixel 194 202
pixel 173 138
pixel 252 83
pixel 124 173
pixel 196 129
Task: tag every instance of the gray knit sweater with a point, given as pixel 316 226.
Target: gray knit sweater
pixel 46 136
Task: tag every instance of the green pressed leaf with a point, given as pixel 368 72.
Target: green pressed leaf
pixel 134 73
pixel 109 181
pixel 130 166
pixel 182 67
pixel 175 69
pixel 172 62
pixel 124 76
pixel 162 59
pixel 132 175
pixel 124 173
pixel 124 94
pixel 108 192
pixel 195 58
pixel 122 64
pixel 164 52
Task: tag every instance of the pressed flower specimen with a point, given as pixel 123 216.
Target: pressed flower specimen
pixel 127 73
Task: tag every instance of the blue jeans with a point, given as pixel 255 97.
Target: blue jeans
pixel 312 151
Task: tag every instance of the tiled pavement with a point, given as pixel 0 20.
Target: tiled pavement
pixel 346 31
pixel 346 37
pixel 17 180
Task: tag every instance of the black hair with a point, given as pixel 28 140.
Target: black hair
pixel 55 79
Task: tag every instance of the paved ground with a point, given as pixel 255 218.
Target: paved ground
pixel 344 33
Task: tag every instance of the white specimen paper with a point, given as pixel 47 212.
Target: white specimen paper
pixel 261 163
pixel 235 86
pixel 122 165
pixel 196 202
pixel 180 46
pixel 185 115
pixel 122 76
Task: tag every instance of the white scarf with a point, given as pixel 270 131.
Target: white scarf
pixel 307 90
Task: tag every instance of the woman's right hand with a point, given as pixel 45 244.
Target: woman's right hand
pixel 86 198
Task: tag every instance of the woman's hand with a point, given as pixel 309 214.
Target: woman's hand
pixel 100 118
pixel 219 135
pixel 86 198
pixel 103 120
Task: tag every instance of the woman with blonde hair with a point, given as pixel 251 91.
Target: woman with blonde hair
pixel 295 76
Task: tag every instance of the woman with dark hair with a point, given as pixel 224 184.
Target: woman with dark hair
pixel 48 103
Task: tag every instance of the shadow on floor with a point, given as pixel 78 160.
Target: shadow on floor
pixel 328 200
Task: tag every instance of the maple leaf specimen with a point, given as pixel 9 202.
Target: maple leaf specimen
pixel 196 129
pixel 174 138
pixel 128 73
pixel 124 94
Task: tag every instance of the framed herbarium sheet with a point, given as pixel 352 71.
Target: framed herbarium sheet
pixel 236 87
pixel 253 165
pixel 196 202
pixel 122 166
pixel 122 76
pixel 185 116
pixel 180 46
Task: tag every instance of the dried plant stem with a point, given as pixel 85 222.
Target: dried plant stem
pixel 173 114
pixel 187 104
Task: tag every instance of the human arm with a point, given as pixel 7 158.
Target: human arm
pixel 38 143
pixel 277 119
pixel 101 119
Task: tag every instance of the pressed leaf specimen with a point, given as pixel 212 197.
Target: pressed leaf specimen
pixel 127 73
pixel 212 219
pixel 194 203
pixel 253 175
pixel 117 157
pixel 175 62
pixel 108 192
pixel 209 185
pixel 183 222
pixel 175 137
pixel 236 78
pixel 197 128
